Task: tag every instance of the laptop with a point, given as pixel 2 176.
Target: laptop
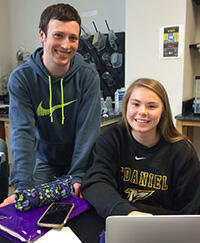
pixel 153 229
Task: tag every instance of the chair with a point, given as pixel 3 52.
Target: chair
pixel 4 170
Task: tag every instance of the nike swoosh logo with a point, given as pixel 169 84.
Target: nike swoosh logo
pixel 139 158
pixel 44 112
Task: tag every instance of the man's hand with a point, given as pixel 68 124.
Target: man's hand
pixel 8 200
pixel 77 187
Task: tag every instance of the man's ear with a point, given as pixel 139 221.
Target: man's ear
pixel 41 35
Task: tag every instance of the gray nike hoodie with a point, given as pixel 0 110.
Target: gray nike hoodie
pixel 55 120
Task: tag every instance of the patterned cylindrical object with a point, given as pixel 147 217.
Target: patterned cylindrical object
pixel 43 194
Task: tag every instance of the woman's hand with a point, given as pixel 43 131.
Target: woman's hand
pixel 138 213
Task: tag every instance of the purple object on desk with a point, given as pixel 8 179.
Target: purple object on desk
pixel 25 223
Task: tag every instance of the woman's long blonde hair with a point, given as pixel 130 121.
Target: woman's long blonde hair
pixel 165 125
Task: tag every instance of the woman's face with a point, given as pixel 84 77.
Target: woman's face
pixel 144 110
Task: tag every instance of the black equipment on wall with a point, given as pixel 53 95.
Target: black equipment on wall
pixel 106 52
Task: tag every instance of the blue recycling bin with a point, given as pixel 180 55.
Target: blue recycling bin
pixel 4 170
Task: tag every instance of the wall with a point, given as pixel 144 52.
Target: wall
pixel 143 22
pixel 5 63
pixel 25 14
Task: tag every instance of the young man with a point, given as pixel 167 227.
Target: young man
pixel 54 105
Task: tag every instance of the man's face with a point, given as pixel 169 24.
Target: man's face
pixel 60 44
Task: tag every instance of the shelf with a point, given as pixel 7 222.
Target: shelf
pixel 195 45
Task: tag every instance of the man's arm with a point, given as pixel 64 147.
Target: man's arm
pixel 22 137
pixel 87 127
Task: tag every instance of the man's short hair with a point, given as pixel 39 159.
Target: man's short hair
pixel 62 12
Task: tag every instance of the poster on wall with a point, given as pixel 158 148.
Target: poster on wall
pixel 171 42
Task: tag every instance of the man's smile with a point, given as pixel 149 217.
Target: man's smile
pixel 63 54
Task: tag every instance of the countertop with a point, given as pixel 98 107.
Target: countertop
pixel 188 116
pixel 2 114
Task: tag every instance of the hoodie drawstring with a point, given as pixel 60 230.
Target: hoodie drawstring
pixel 62 100
pixel 50 99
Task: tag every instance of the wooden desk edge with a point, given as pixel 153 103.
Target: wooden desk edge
pixel 189 124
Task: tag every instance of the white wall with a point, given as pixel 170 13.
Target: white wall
pixel 25 14
pixel 143 22
pixel 5 44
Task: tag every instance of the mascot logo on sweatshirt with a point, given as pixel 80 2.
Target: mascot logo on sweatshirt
pixel 137 194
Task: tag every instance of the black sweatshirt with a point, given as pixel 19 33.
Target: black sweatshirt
pixel 126 173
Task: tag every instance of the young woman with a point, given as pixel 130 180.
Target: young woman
pixel 144 164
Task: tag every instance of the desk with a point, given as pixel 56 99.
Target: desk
pixel 105 122
pixel 88 226
pixel 188 120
